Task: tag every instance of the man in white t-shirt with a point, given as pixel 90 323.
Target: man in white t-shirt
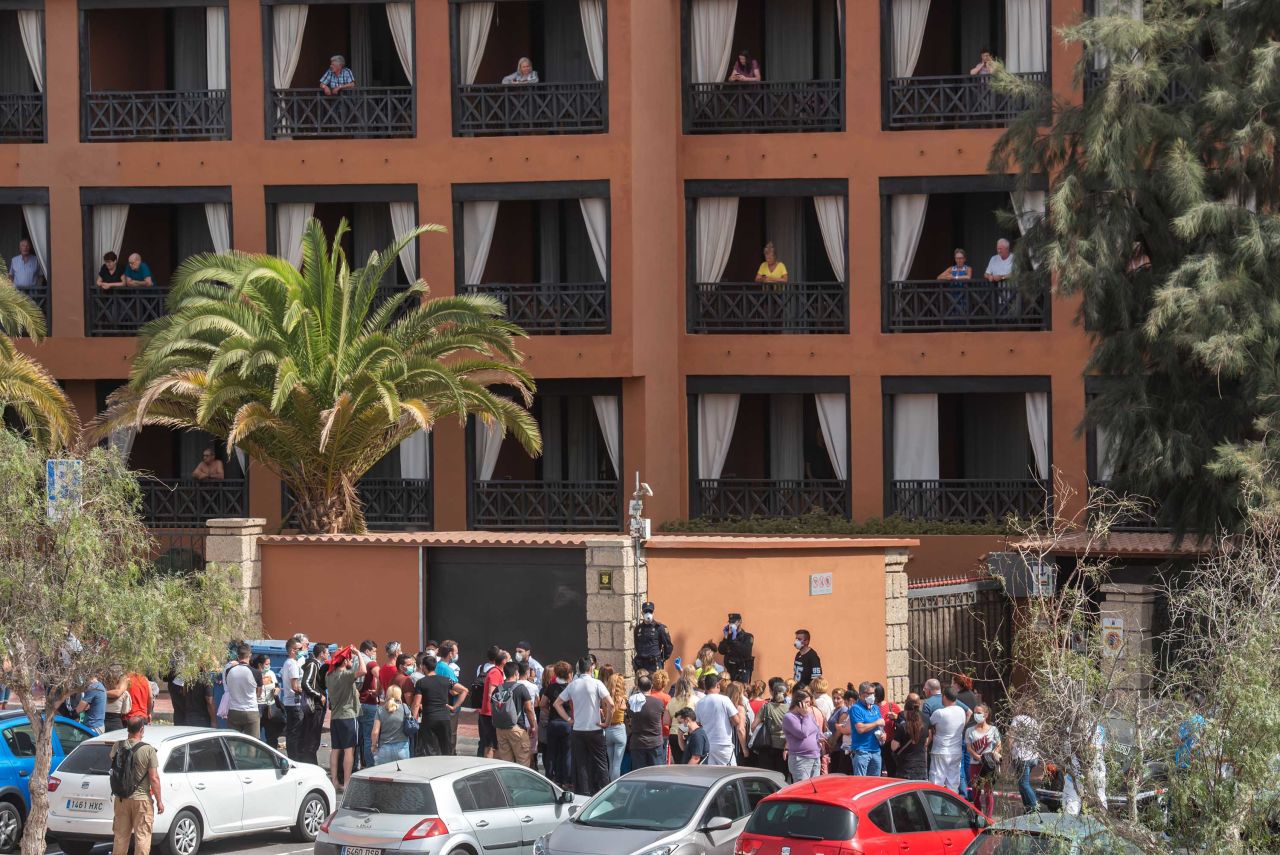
pixel 1000 267
pixel 720 719
pixel 241 684
pixel 291 693
pixel 947 726
pixel 592 709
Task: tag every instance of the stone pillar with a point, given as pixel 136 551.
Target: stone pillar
pixel 896 658
pixel 233 543
pixel 1138 606
pixel 612 610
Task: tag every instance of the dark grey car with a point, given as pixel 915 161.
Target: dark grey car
pixel 665 810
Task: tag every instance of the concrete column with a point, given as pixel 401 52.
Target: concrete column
pixel 896 658
pixel 234 543
pixel 1138 607
pixel 612 611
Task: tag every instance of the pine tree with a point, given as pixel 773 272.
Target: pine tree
pixel 1172 156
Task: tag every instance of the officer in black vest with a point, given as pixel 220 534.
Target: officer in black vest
pixel 652 641
pixel 736 648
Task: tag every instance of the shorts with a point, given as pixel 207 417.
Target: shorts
pixel 343 732
pixel 488 733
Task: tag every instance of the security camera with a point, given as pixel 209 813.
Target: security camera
pixel 644 489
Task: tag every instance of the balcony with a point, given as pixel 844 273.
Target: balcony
pixel 751 307
pixel 22 43
pixel 1177 92
pixel 776 106
pixel 490 109
pixel 373 112
pixel 741 498
pixel 161 115
pixel 185 502
pixel 553 308
pixel 39 294
pixel 21 117
pixel 955 101
pixel 933 306
pixel 969 499
pixel 547 506
pixel 397 504
pixel 124 311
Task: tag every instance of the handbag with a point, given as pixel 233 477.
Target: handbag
pixel 759 740
pixel 836 737
pixel 411 724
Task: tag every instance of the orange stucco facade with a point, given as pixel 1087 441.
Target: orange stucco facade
pixel 646 159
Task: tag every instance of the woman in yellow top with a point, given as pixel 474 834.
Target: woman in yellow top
pixel 706 663
pixel 772 271
pixel 615 735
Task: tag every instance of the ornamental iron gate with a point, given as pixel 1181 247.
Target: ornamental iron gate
pixel 961 627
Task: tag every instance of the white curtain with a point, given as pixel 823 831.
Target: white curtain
pixel 108 229
pixel 403 215
pixel 915 438
pixel 215 47
pixel 1025 35
pixel 909 19
pixel 288 23
pixel 907 213
pixel 474 20
pixel 1126 9
pixel 120 440
pixel 219 216
pixel 717 219
pixel 609 417
pixel 291 220
pixel 592 14
pixel 1028 206
pixel 712 39
pixel 37 218
pixel 31 27
pixel 488 444
pixel 717 415
pixel 414 460
pixel 242 459
pixel 595 213
pixel 1038 430
pixel 1104 466
pixel 400 19
pixel 831 222
pixel 1247 200
pixel 478 222
pixel 833 413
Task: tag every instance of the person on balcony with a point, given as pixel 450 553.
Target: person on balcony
pixel 771 271
pixel 746 69
pixel 209 468
pixel 337 77
pixel 960 271
pixel 110 274
pixel 1000 267
pixel 24 268
pixel 1139 260
pixel 986 63
pixel 137 274
pixel 524 73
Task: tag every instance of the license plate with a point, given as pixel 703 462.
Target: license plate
pixel 85 805
pixel 360 850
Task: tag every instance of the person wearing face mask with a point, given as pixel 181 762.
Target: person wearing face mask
pixel 314 702
pixel 406 679
pixel 867 732
pixel 804 756
pixel 524 653
pixel 771 716
pixel 807 663
pixel 559 728
pixel 652 642
pixel 291 694
pixel 982 741
pixel 736 647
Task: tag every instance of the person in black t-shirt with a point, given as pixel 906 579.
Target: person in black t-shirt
pixel 556 759
pixel 807 664
pixel 694 744
pixel 436 691
pixel 644 714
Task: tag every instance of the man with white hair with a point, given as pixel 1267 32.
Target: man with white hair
pixel 1000 267
pixel 337 77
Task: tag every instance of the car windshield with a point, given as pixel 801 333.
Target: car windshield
pixel 643 804
pixel 91 758
pixel 803 820
pixel 382 795
pixel 996 841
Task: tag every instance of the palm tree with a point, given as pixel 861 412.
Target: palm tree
pixel 27 390
pixel 315 378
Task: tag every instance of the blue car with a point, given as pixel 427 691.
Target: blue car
pixel 18 758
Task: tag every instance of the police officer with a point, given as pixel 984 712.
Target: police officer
pixel 653 642
pixel 736 648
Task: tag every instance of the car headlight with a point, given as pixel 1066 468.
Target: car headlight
pixel 540 845
pixel 665 849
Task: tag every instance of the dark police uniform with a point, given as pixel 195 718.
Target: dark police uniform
pixel 738 658
pixel 653 644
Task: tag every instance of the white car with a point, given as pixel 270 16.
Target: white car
pixel 216 783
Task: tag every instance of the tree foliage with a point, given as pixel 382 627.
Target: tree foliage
pixel 26 388
pixel 1175 148
pixel 79 594
pixel 316 376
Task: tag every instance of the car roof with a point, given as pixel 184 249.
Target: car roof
pixel 1069 826
pixel 430 768
pixel 704 775
pixel 17 716
pixel 843 789
pixel 162 734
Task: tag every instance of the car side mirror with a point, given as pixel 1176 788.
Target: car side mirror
pixel 566 797
pixel 717 823
pixel 978 822
pixel 283 764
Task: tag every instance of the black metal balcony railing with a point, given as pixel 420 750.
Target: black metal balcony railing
pixel 1176 92
pixel 547 505
pixel 199 114
pixel 933 305
pixel 1128 513
pixel 39 294
pixel 753 307
pixel 738 498
pixel 362 113
pixel 969 499
pixel 576 107
pixel 21 117
pixel 179 549
pixel 553 308
pixel 185 502
pixel 397 504
pixel 789 106
pixel 123 311
pixel 954 101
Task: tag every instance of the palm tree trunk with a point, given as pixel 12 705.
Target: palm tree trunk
pixel 321 510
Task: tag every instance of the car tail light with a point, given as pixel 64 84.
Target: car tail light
pixel 747 845
pixel 324 826
pixel 432 826
pixel 54 783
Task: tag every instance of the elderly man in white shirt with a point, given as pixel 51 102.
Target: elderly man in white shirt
pixel 999 269
pixel 24 268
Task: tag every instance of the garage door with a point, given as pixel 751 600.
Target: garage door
pixel 484 596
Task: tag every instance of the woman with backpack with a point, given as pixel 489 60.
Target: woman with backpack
pixel 390 737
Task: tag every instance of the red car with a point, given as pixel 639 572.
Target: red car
pixel 842 815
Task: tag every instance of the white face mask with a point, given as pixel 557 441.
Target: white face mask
pixel 648 617
pixel 799 644
pixel 979 718
pixel 431 653
pixel 519 657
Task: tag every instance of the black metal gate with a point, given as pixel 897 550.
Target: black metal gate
pixel 964 627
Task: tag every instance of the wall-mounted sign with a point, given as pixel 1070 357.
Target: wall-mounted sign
pixel 819 584
pixel 62 486
pixel 1112 636
pixel 606 580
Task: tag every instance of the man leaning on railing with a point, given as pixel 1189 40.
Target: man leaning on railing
pixel 209 468
pixel 337 77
